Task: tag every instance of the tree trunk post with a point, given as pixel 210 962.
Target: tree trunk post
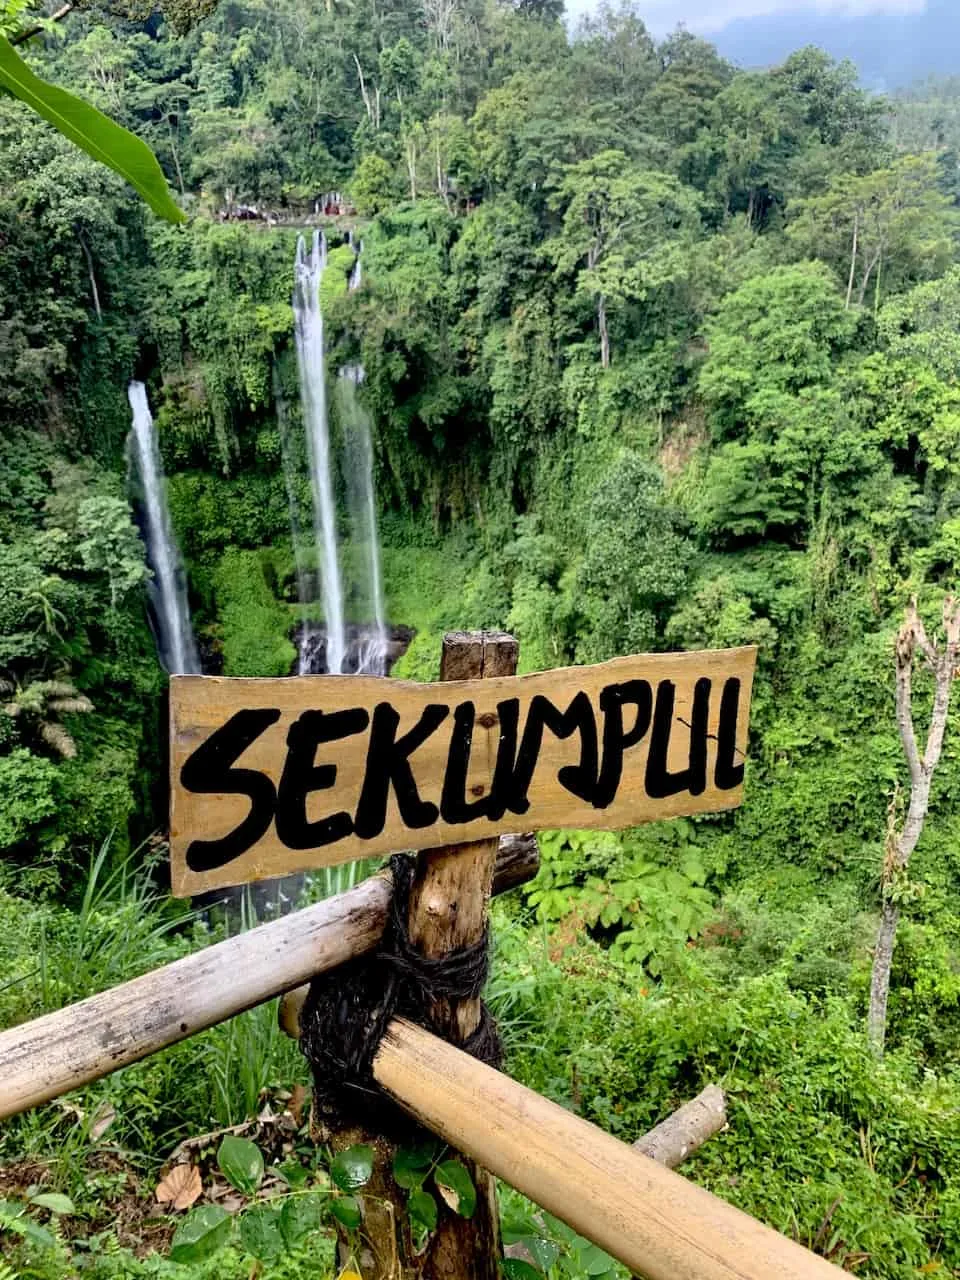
pixel 448 909
pixel 449 897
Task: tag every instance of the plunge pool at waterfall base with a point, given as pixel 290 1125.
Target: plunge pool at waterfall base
pixel 359 642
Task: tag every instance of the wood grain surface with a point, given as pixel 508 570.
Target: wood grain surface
pixel 606 747
pixel 653 1220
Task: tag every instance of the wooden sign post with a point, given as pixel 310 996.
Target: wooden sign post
pixel 271 777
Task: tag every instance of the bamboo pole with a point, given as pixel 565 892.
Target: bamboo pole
pixel 49 1056
pixel 654 1221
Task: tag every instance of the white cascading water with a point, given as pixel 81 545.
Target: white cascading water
pixel 308 327
pixel 358 444
pixel 175 640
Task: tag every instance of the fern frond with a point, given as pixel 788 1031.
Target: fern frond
pixel 53 689
pixel 56 736
pixel 70 706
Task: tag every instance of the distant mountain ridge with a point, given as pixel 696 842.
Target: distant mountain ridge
pixel 891 51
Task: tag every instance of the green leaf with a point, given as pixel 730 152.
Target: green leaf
pixel 293 1173
pixel 33 1231
pixel 54 1201
pixel 202 1232
pixel 423 1209
pixel 456 1186
pixel 517 1269
pixel 261 1232
pixel 412 1164
pixel 544 1252
pixel 346 1210
pixel 241 1163
pixel 90 130
pixel 352 1168
pixel 300 1216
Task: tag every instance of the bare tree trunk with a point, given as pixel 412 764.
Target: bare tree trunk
pixel 686 1129
pixel 853 257
pixel 93 278
pixel 942 661
pixel 176 156
pixel 604 332
pixel 365 95
pixel 410 155
pixel 30 32
pixel 880 977
pixel 867 274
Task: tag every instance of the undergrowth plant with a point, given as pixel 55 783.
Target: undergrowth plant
pixel 611 886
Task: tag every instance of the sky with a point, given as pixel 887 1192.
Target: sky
pixel 706 16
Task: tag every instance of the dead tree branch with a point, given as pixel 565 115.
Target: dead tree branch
pixel 941 660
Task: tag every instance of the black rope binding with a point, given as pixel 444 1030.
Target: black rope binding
pixel 348 1009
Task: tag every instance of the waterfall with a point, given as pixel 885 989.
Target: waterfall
pixel 308 325
pixel 178 650
pixel 358 445
pixel 362 505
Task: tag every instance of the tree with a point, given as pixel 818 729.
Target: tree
pixel 940 659
pixel 373 186
pixel 893 219
pixel 636 563
pixel 623 232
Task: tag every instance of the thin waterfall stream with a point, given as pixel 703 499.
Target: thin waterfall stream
pixel 308 328
pixel 362 503
pixel 175 640
pixel 365 648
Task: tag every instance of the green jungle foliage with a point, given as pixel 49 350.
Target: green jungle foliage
pixel 659 354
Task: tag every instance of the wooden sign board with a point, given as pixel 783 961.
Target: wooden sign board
pixel 270 777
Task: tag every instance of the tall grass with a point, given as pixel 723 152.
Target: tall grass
pixel 122 928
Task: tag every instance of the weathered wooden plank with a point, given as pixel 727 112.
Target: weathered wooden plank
pixel 275 776
pixel 653 1220
pixel 49 1056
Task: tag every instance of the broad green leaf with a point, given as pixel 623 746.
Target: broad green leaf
pixel 33 1231
pixel 411 1165
pixel 423 1209
pixel 241 1163
pixel 300 1216
pixel 261 1232
pixel 293 1173
pixel 54 1201
pixel 90 130
pixel 352 1168
pixel 544 1252
pixel 346 1210
pixel 517 1269
pixel 202 1232
pixel 456 1186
